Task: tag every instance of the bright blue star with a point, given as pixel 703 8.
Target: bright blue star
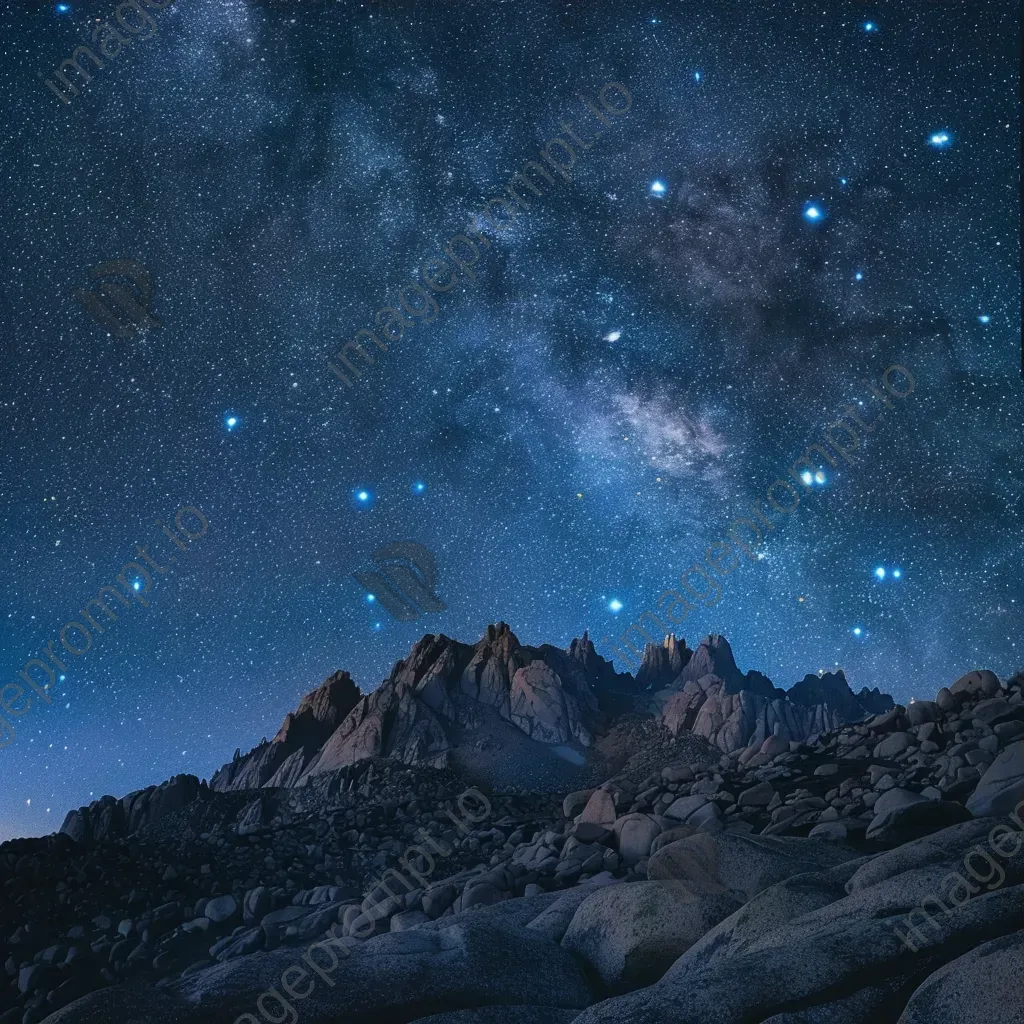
pixel 983 319
pixel 814 212
pixel 63 8
pixel 940 140
pixel 615 605
pixel 859 276
pixel 419 487
pixel 857 631
pixel 231 422
pixel 136 585
pixel 842 181
pixel 696 76
pixel 896 574
pixel 880 573
pixel 870 26
pixel 370 598
pixel 658 188
pixel 363 496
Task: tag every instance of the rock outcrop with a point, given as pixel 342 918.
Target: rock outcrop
pixel 446 696
pixel 733 711
pixel 503 710
pixel 304 731
pixel 447 703
pixel 831 690
pixel 505 713
pixel 109 818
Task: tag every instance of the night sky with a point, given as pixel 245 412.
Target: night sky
pixel 800 195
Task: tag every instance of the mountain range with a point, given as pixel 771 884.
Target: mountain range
pixel 504 714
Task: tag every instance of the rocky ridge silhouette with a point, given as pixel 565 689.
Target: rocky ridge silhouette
pixel 504 713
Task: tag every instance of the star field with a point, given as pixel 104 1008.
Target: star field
pixel 800 195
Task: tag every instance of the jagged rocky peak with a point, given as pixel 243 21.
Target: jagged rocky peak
pixel 714 657
pixel 441 705
pixel 672 664
pixel 661 665
pixel 582 651
pixel 759 683
pixel 320 712
pixel 832 690
pixel 499 632
pixel 446 704
pixel 303 732
pixel 874 702
pixel 447 700
pixel 614 690
pixel 736 711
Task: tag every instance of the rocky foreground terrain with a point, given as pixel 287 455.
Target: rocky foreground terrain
pixel 732 853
